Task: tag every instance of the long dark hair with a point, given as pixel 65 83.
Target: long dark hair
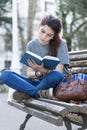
pixel 55 24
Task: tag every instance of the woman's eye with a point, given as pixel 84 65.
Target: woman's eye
pixel 49 35
pixel 42 31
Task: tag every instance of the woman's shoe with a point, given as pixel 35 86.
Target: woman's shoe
pixel 46 93
pixel 19 96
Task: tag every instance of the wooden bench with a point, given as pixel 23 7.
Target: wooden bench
pixel 57 112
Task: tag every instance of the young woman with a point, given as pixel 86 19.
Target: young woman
pixel 48 42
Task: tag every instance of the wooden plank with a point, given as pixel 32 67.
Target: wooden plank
pixel 45 106
pixel 78 57
pixel 83 108
pixel 79 70
pixel 76 108
pixel 56 120
pixel 81 63
pixel 78 52
pixel 70 106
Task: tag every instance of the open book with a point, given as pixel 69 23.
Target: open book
pixel 50 62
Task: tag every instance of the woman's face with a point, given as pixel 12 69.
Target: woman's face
pixel 45 34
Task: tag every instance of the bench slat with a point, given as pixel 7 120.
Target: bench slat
pixel 77 108
pixel 46 106
pixel 79 70
pixel 78 52
pixel 80 63
pixel 71 107
pixel 83 108
pixel 56 120
pixel 78 57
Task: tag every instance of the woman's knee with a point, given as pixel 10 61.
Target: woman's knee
pixel 55 76
pixel 58 76
pixel 5 75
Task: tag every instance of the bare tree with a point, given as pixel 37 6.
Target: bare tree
pixel 31 16
pixel 74 19
pixel 32 6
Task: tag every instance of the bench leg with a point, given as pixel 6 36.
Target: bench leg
pixel 22 126
pixel 67 124
pixel 84 126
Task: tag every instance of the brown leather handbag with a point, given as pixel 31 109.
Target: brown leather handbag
pixel 75 90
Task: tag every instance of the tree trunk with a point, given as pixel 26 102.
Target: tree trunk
pixel 31 16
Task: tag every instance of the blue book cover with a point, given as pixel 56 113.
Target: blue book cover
pixel 50 62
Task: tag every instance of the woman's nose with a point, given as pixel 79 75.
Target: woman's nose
pixel 44 36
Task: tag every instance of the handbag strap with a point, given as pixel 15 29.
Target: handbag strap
pixel 68 76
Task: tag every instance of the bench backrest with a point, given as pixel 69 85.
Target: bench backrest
pixel 78 61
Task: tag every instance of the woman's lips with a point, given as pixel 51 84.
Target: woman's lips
pixel 42 40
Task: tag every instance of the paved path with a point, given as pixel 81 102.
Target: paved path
pixel 11 118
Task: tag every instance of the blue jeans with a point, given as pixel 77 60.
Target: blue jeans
pixel 31 86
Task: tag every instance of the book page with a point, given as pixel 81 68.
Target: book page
pixel 35 55
pixel 51 58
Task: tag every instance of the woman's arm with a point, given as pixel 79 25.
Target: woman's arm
pixel 59 68
pixel 42 70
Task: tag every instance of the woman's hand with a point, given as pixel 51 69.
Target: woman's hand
pixel 30 73
pixel 34 65
pixel 37 67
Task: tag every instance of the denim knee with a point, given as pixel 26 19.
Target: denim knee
pixel 5 74
pixel 55 77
